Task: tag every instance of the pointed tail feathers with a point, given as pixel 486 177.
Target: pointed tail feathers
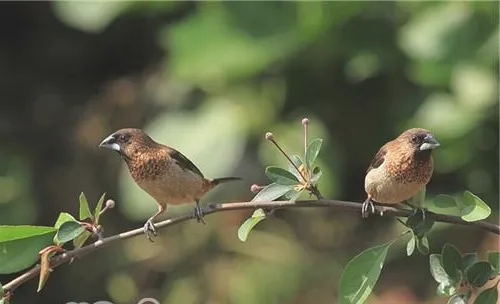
pixel 214 182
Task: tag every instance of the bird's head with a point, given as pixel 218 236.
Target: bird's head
pixel 419 140
pixel 128 142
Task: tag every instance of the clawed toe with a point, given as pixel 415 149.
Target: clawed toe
pixel 150 230
pixel 368 204
pixel 198 214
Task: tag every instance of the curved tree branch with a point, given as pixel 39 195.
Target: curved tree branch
pixel 213 208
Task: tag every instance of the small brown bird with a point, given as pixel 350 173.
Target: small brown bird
pixel 163 172
pixel 400 169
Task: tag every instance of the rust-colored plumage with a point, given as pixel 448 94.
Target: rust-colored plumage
pixel 163 172
pixel 400 169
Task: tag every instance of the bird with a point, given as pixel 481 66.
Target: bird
pixel 161 171
pixel 400 169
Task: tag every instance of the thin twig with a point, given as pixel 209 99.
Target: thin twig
pixel 222 207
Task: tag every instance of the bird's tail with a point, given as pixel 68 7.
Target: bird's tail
pixel 214 182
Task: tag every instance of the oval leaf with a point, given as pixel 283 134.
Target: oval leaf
pixel 312 152
pixel 271 192
pixel 479 273
pixel 446 290
pixel 410 246
pixel 68 231
pixel 297 161
pixel 84 208
pixel 423 245
pixel 468 259
pixel 437 270
pixel 488 296
pixel 361 274
pixel 494 259
pixel 281 176
pixel 445 201
pixel 451 260
pixel 62 218
pixel 472 208
pixel 81 239
pixel 316 175
pixel 20 245
pixel 248 225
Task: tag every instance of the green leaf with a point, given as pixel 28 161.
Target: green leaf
pixel 468 259
pixel 98 208
pixel 437 270
pixel 257 216
pixel 62 218
pixel 457 299
pixel 479 273
pixel 84 208
pixel 281 176
pixel 445 201
pixel 68 231
pixel 361 274
pixel 410 246
pixel 271 192
pixel 419 225
pixel 81 239
pixel 2 292
pixel 292 195
pixel 423 245
pixel 472 208
pixel 488 296
pixel 494 259
pixel 312 152
pixel 316 175
pixel 20 245
pixel 452 262
pixel 297 161
pixel 446 289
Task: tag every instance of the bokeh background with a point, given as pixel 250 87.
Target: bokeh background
pixel 210 78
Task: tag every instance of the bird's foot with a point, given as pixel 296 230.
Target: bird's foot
pixel 416 210
pixel 150 230
pixel 367 207
pixel 198 214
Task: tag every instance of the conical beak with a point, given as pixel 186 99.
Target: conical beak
pixel 429 143
pixel 110 143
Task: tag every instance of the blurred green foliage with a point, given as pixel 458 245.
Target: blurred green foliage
pixel 210 78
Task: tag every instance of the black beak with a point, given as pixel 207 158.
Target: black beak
pixel 429 143
pixel 110 143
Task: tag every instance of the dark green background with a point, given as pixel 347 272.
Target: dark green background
pixel 210 79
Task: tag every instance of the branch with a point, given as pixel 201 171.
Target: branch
pixel 213 208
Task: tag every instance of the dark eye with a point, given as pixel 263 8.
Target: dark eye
pixel 415 139
pixel 122 138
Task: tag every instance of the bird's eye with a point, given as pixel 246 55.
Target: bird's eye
pixel 122 138
pixel 414 138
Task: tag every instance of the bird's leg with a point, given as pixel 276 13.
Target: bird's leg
pixel 198 212
pixel 367 204
pixel 149 227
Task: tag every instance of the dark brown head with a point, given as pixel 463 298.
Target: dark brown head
pixel 419 140
pixel 128 142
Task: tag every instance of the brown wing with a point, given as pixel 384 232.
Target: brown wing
pixel 378 159
pixel 183 161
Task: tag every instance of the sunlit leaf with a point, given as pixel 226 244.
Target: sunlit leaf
pixel 410 246
pixel 446 289
pixel 63 217
pixel 20 245
pixel 473 208
pixel 316 175
pixel 271 192
pixel 423 245
pixel 312 152
pixel 281 176
pixel 68 231
pixel 297 161
pixel 84 208
pixel 494 259
pixel 250 223
pixel 451 260
pixel 98 209
pixel 444 201
pixel 479 273
pixel 437 270
pixel 488 296
pixel 361 274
